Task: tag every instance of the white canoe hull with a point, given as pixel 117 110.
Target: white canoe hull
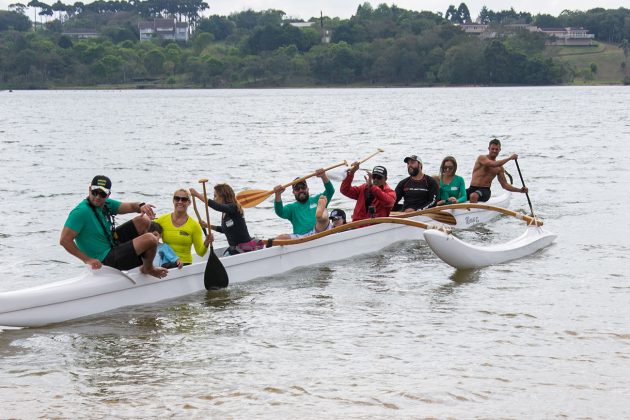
pixel 98 291
pixel 462 255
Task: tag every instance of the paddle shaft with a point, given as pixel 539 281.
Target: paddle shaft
pixel 198 215
pixel 370 156
pixel 251 198
pixel 531 208
pixel 298 180
pixel 205 201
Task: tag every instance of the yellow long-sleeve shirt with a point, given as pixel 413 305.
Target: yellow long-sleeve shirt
pixel 183 237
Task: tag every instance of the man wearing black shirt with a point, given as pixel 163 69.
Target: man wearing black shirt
pixel 418 191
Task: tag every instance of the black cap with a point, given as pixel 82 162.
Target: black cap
pixel 413 157
pixel 301 183
pixel 379 170
pixel 338 214
pixel 101 182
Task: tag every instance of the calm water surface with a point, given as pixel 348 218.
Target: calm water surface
pixel 397 334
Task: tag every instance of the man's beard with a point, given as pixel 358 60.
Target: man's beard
pixel 413 171
pixel 302 197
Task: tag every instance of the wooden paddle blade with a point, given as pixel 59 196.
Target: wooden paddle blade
pixel 251 198
pixel 443 217
pixel 215 276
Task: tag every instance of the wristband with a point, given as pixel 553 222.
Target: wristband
pixel 140 207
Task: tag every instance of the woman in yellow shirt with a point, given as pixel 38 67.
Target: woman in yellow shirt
pixel 182 231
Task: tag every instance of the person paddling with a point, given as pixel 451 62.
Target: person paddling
pixel 91 235
pixel 486 168
pixel 233 223
pixel 308 213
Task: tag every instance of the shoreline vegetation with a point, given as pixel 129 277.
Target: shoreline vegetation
pixel 382 47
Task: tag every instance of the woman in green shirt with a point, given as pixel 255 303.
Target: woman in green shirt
pixel 452 187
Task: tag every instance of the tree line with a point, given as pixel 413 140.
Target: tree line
pixel 376 46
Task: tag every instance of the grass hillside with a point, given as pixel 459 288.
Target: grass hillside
pixel 606 58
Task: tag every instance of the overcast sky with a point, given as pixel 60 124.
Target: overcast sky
pixel 306 9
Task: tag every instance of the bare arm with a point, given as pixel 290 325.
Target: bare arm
pixel 66 240
pixel 485 161
pixel 142 208
pixel 506 185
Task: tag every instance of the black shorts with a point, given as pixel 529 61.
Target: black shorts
pixel 483 193
pixel 123 256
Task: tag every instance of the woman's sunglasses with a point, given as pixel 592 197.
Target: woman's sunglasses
pixel 182 199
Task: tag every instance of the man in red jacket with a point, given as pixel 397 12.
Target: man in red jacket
pixel 374 198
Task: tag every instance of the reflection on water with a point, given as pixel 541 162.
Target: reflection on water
pixel 464 276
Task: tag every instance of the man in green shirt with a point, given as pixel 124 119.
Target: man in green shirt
pixel 302 212
pixel 90 233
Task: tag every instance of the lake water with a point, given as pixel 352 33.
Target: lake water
pixel 397 334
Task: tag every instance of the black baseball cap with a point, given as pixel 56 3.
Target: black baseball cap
pixel 379 170
pixel 338 214
pixel 101 182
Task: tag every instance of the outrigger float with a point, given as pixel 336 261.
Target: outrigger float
pixel 97 291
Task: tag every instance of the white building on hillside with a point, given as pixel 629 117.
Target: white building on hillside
pixel 164 29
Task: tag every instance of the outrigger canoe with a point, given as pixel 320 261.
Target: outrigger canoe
pixel 462 255
pixel 97 291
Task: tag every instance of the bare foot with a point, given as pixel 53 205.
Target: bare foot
pixel 158 272
pixel 321 206
pixel 321 215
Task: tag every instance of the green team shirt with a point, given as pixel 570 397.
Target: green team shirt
pixel 457 189
pixel 91 239
pixel 302 215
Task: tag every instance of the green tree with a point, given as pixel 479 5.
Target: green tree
pixel 13 20
pixel 625 46
pixel 463 64
pixel 201 41
pixel 219 26
pixel 154 62
pixel 463 13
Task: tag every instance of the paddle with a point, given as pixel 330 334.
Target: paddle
pixel 205 232
pixel 343 175
pixel 370 156
pixel 347 226
pixel 527 219
pixel 523 182
pixel 437 215
pixel 215 276
pixel 251 198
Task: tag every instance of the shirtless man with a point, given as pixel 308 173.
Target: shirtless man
pixel 486 168
pixel 89 233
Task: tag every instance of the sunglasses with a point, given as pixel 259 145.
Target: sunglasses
pixel 177 198
pixel 448 167
pixel 300 188
pixel 377 177
pixel 99 193
pixel 334 219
